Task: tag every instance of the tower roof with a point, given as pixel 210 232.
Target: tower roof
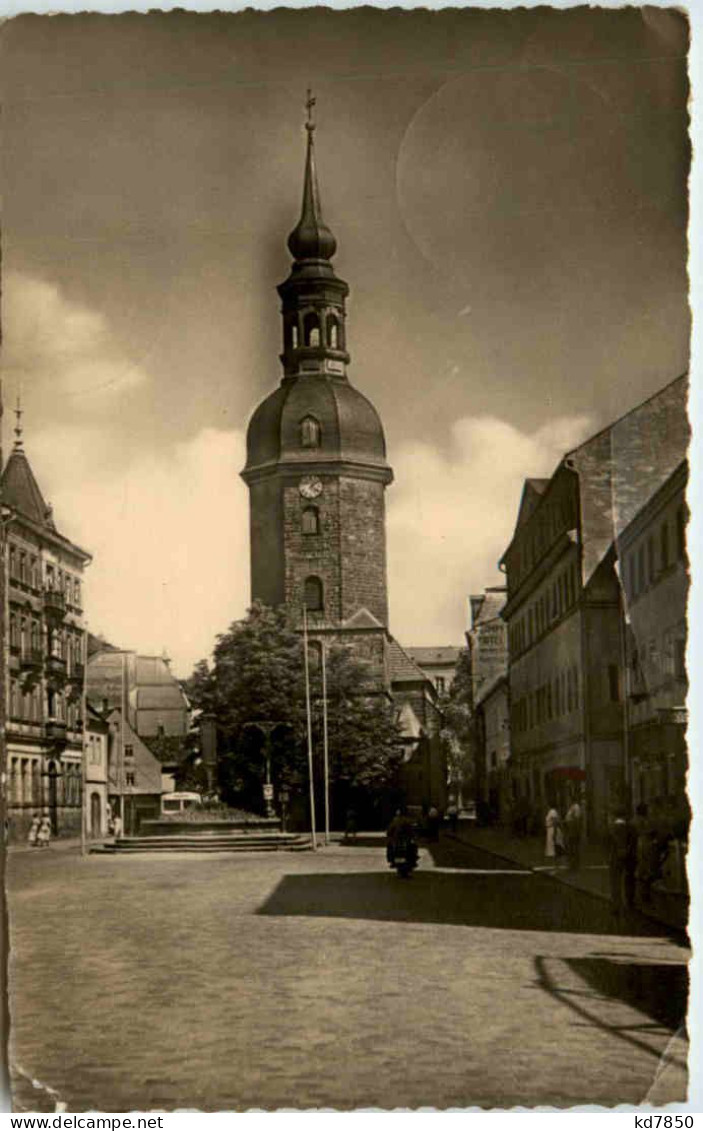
pixel 350 427
pixel 20 489
pixel 311 238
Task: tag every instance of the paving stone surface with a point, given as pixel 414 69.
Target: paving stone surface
pixel 286 980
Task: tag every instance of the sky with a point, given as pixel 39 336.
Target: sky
pixel 508 193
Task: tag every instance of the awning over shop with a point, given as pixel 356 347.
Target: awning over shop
pixel 570 773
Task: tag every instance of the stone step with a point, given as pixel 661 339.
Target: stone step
pixel 272 842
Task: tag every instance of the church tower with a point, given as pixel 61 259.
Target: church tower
pixel 316 454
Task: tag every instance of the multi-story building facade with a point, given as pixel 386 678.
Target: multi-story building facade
pixel 564 608
pixel 654 574
pixel 492 718
pixel 45 657
pixel 487 638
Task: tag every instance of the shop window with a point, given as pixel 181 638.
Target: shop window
pixel 310 433
pixel 313 595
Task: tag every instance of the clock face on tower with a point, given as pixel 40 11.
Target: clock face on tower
pixel 310 487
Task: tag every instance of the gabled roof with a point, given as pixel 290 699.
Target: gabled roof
pixel 531 494
pixel 362 618
pixel 487 606
pixel 20 490
pixel 401 668
pixel 22 494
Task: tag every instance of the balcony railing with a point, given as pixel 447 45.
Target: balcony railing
pixel 55 732
pixel 54 604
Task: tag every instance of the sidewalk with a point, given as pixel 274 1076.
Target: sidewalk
pixel 592 876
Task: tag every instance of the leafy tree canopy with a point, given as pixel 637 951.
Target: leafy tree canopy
pixel 458 729
pixel 258 676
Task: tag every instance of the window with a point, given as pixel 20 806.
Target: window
pixel 332 332
pixel 681 533
pixel 664 538
pixel 23 569
pixel 311 330
pixel 13 562
pixel 651 564
pixel 632 576
pixel 129 777
pixel 614 683
pixel 310 432
pixel 15 639
pixel 129 752
pixel 313 594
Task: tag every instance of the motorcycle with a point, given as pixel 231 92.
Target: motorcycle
pixel 404 858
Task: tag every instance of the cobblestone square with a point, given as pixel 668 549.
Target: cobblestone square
pixel 310 980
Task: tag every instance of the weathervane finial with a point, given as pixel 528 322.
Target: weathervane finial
pixel 309 105
pixel 18 425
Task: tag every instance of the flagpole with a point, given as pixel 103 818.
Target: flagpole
pixel 84 752
pixel 325 744
pixel 309 714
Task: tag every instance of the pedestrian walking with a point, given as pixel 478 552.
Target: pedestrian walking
pixel 554 842
pixel 453 816
pixel 572 824
pixel 350 826
pixel 433 823
pixel 117 826
pixel 622 863
pixel 44 832
pixel 33 831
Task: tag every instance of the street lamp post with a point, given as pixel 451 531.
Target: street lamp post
pixel 266 727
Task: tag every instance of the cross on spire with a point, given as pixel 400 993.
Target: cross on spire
pixel 309 105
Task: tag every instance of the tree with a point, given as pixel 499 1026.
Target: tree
pixel 258 675
pixel 458 729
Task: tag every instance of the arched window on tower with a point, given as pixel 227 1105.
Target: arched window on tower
pixel 311 521
pixel 311 329
pixel 291 334
pixel 310 432
pixel 332 332
pixel 313 595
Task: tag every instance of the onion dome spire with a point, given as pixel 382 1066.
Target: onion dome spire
pixel 311 238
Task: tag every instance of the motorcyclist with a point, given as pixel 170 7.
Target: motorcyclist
pixel 400 835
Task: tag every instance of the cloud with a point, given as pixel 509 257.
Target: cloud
pixel 451 514
pixel 169 529
pixel 56 345
pixel 169 533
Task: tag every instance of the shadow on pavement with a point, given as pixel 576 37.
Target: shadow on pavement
pixel 659 990
pixel 501 900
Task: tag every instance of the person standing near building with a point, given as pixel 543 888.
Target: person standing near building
pixel 554 837
pixel 33 831
pixel 622 862
pixel 44 832
pixel 572 823
pixel 117 826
